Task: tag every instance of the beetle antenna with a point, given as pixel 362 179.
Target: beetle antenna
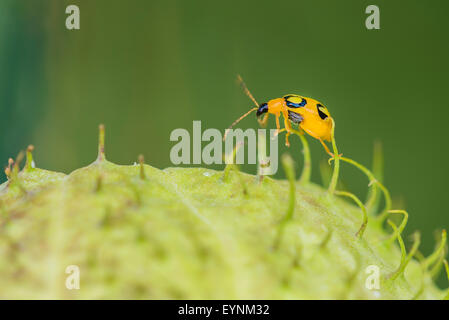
pixel 245 89
pixel 237 121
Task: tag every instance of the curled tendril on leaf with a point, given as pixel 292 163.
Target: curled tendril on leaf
pixel 307 168
pixel 372 181
pixel 401 227
pixel 373 199
pixel 359 233
pixel 336 157
pixel 434 256
pixel 435 270
pixel 405 258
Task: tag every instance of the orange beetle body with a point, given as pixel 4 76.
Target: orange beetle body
pixel 309 114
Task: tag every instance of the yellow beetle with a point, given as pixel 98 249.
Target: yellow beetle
pixel 309 114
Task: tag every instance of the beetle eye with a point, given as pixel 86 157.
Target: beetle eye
pixel 322 112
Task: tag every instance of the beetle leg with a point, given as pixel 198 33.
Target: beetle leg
pixel 264 120
pixel 326 148
pixel 278 126
pixel 288 127
pixel 287 143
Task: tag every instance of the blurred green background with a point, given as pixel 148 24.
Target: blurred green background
pixel 145 68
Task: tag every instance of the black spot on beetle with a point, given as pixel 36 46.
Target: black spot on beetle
pixel 294 105
pixel 321 113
